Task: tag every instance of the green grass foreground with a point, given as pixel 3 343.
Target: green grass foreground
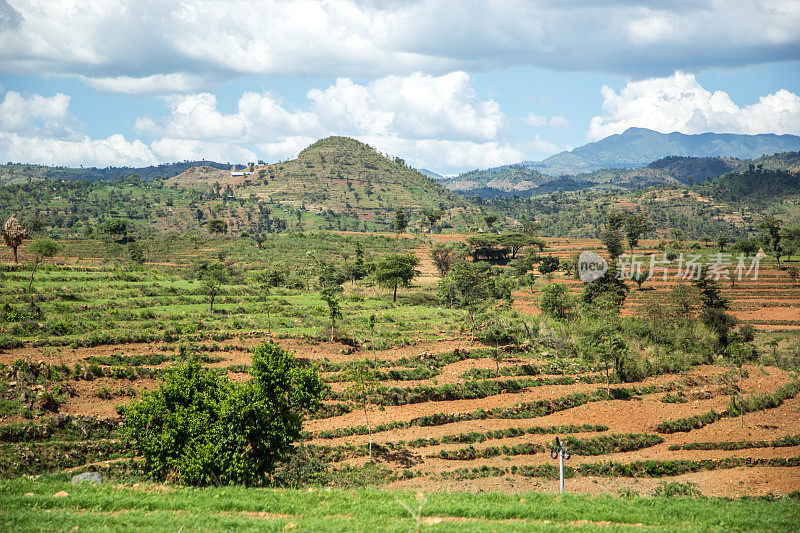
pixel 156 508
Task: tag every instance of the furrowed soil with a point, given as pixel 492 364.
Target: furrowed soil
pixel 770 303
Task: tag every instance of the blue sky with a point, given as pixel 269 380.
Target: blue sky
pixel 448 86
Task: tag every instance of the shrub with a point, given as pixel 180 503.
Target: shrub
pixel 676 488
pixel 199 428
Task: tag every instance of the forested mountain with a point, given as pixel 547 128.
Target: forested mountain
pixel 510 178
pixel 755 185
pixel 338 174
pixel 638 147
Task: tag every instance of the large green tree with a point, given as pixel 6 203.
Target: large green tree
pixel 468 286
pixel 198 428
pixel 396 270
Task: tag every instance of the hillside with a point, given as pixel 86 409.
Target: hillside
pixel 337 174
pixel 18 173
pixel 510 178
pixel 755 185
pixel 670 170
pixel 639 146
pixel 695 169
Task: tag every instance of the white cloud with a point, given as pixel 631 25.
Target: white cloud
pixel 538 121
pixel 41 129
pixel 447 157
pixel 434 121
pixel 37 114
pixel 679 103
pixel 168 149
pixel 177 82
pixel 114 150
pixel 131 46
pixel 418 106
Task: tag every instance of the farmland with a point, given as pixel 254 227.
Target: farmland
pixel 451 410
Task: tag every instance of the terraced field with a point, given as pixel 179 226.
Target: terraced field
pixel 447 414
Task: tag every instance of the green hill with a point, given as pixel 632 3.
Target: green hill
pixel 511 178
pixel 755 185
pixel 339 175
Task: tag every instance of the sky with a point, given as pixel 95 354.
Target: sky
pixel 449 86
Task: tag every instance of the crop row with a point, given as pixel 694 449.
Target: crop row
pixel 755 402
pixel 601 445
pixel 533 409
pixel 395 396
pixel 781 442
pixel 474 436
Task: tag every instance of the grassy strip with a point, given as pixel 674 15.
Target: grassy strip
pixel 781 442
pixel 755 402
pixel 109 507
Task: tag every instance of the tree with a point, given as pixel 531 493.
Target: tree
pixel 117 228
pixel 516 241
pixel 722 242
pixel 433 216
pixel 442 255
pixel 490 220
pixel 604 344
pixel 616 220
pixel 684 301
pixel 332 296
pixel 608 290
pixel 198 428
pixel 711 296
pixel 555 300
pixel 639 277
pixel 265 279
pixel 213 275
pixel 13 234
pixel 217 226
pixel 636 226
pixel 548 264
pixel 772 226
pixel 41 249
pixel 365 383
pixel 612 240
pixel 400 221
pixel 792 272
pixel 467 286
pixel 746 246
pixel 395 270
pixel 260 239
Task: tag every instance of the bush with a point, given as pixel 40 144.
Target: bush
pixel 675 488
pixel 198 428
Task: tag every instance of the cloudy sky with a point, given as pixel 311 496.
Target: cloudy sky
pixel 449 86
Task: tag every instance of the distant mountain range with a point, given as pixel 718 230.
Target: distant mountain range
pixel 16 172
pixel 638 147
pixel 636 158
